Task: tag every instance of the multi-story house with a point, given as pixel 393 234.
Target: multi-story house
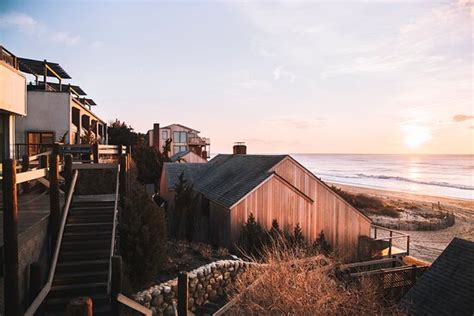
pixel 12 101
pixel 57 112
pixel 183 139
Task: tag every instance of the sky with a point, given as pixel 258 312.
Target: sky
pixel 380 77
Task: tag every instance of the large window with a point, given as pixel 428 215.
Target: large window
pixel 165 135
pixel 178 149
pixel 180 137
pixel 37 139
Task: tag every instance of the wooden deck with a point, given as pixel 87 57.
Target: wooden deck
pixel 32 209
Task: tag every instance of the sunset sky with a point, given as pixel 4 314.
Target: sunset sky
pixel 285 77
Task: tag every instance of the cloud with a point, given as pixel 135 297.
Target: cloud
pixel 295 122
pixel 27 24
pixel 279 73
pixel 263 141
pixel 19 21
pixel 66 38
pixel 462 117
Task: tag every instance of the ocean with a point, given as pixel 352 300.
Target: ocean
pixel 437 175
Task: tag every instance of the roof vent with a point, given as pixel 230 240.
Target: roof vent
pixel 240 148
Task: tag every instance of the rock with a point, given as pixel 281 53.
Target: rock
pixel 213 295
pixel 167 289
pixel 147 297
pixel 157 300
pixel 190 302
pixel 169 311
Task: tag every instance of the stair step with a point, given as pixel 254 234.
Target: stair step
pixel 82 265
pixel 76 290
pixel 94 254
pixel 89 227
pixel 86 236
pixel 99 302
pixel 73 219
pixel 86 245
pixel 93 204
pixel 80 277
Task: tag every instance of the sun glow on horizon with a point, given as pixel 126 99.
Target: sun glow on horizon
pixel 415 135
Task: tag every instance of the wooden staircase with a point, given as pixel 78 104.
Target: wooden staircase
pixel 83 264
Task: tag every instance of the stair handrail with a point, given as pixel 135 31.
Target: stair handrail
pixel 47 287
pixel 112 243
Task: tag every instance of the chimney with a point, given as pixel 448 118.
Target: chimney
pixel 240 148
pixel 156 137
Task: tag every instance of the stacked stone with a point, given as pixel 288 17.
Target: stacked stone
pixel 206 283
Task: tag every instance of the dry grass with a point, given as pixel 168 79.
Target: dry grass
pixel 294 283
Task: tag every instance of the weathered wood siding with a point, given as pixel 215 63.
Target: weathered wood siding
pixel 272 200
pixel 342 224
pixel 192 157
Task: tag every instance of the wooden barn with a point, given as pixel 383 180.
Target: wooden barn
pixel 231 187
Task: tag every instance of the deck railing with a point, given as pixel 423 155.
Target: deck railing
pixel 390 237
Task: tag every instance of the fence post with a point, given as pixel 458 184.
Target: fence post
pixel 55 208
pixel 116 283
pixel 68 171
pixel 80 306
pixel 390 244
pixel 10 239
pixel 408 245
pixel 183 294
pixel 123 186
pixel 43 162
pixel 25 165
pixel 95 152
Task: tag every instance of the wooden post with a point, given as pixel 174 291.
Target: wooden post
pixel 390 244
pixel 68 171
pixel 375 232
pixel 183 294
pixel 123 185
pixel 36 280
pixel 95 152
pixel 413 273
pixel 80 306
pixel 43 162
pixel 408 245
pixel 116 283
pixel 25 165
pixel 55 208
pixel 10 239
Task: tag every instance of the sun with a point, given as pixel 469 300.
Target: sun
pixel 415 135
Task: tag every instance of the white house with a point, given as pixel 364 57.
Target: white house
pixel 57 112
pixel 12 101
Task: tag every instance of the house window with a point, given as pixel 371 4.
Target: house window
pixel 180 137
pixel 178 149
pixel 36 140
pixel 164 135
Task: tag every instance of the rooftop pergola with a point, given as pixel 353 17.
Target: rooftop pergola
pixel 43 68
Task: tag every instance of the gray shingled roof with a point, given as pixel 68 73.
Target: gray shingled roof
pixel 447 288
pixel 178 155
pixel 226 178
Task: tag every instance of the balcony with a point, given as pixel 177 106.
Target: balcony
pixel 198 141
pixel 13 84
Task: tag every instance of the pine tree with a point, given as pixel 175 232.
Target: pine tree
pixel 275 233
pixel 298 237
pixel 322 245
pixel 183 216
pixel 252 238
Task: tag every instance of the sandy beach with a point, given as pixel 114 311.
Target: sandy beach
pixel 427 245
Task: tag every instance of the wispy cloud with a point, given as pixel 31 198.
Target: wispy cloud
pixel 66 38
pixel 279 73
pixel 462 117
pixel 19 21
pixel 295 122
pixel 27 24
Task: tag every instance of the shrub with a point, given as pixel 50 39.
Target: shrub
pixel 367 204
pixel 253 238
pixel 294 282
pixel 298 238
pixel 142 237
pixel 321 245
pixel 149 163
pixel 183 217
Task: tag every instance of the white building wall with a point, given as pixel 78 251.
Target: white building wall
pixel 47 111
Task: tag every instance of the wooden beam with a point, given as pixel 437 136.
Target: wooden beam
pixel 55 207
pixel 10 239
pixel 31 175
pixel 116 283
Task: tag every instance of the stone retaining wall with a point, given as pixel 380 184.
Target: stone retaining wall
pixel 205 283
